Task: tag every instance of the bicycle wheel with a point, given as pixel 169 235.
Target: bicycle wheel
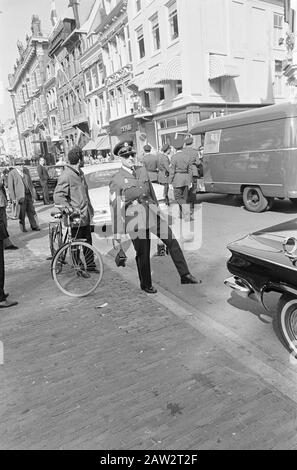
pixel 55 237
pixel 77 269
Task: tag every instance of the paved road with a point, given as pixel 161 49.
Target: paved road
pixel 190 368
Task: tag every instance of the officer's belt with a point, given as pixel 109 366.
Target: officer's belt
pixel 181 172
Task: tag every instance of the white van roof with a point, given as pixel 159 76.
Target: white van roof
pixel 268 113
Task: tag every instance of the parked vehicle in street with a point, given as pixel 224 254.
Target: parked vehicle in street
pixel 54 172
pixel 266 261
pixel 253 153
pixel 98 178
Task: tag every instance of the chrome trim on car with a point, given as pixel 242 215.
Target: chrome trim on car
pixel 242 287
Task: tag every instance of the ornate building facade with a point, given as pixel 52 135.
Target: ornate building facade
pixel 26 87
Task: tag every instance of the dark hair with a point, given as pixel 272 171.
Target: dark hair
pixel 75 155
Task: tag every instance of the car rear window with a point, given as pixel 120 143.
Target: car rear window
pixel 100 178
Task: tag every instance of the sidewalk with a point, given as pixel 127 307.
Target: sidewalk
pixel 131 375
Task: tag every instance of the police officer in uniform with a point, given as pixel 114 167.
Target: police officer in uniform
pixel 151 163
pixel 135 211
pixel 180 176
pixel 164 166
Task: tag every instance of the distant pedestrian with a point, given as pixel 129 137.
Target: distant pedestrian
pixel 151 163
pixel 21 191
pixel 180 176
pixel 44 178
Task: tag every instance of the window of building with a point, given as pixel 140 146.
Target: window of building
pixel 155 32
pixel 101 73
pixel 89 86
pixel 138 5
pixel 95 76
pixel 54 124
pixel 278 78
pixel 161 94
pixel 179 87
pixel 140 40
pixel 173 20
pixel 277 28
pixel 146 99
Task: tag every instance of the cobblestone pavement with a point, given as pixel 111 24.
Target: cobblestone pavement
pixel 131 375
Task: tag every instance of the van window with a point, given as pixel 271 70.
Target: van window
pixel 266 135
pixel 212 141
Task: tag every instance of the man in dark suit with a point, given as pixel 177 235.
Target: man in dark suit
pixel 180 176
pixel 44 177
pixel 21 191
pixel 135 211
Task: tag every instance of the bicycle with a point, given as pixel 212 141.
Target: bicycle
pixel 77 266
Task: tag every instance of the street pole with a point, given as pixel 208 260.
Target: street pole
pixel 16 121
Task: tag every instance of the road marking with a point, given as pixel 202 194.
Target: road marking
pixel 245 352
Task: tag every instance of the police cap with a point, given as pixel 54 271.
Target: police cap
pixel 178 144
pixel 124 149
pixel 189 140
pixel 165 148
pixel 147 148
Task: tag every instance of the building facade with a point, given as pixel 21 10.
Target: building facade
pixel 196 59
pixel 26 87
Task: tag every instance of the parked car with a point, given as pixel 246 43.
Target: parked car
pixel 266 261
pixel 252 153
pixel 98 177
pixel 54 172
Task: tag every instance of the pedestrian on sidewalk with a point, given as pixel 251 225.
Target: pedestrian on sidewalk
pixel 4 303
pixel 7 244
pixel 135 211
pixel 21 191
pixel 43 177
pixel 180 177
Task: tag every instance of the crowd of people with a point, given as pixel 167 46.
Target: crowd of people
pixel 179 166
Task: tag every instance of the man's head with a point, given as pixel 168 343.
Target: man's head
pixel 75 156
pixel 166 148
pixel 178 144
pixel 201 151
pixel 147 148
pixel 125 151
pixel 42 161
pixel 189 140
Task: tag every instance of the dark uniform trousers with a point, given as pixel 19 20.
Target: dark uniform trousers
pixel 142 246
pixel 181 196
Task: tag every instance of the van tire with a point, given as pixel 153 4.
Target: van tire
pixel 254 200
pixel 287 322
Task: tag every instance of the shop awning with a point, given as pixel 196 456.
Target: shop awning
pixel 102 143
pixel 171 71
pixel 219 67
pixel 150 78
pixel 91 145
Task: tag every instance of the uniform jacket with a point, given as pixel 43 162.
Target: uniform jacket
pixel 43 174
pixel 72 190
pixel 164 165
pixel 151 164
pixel 194 160
pixel 16 187
pixel 133 202
pixel 180 174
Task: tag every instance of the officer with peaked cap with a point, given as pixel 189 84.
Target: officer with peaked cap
pixel 180 176
pixel 135 211
pixel 151 163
